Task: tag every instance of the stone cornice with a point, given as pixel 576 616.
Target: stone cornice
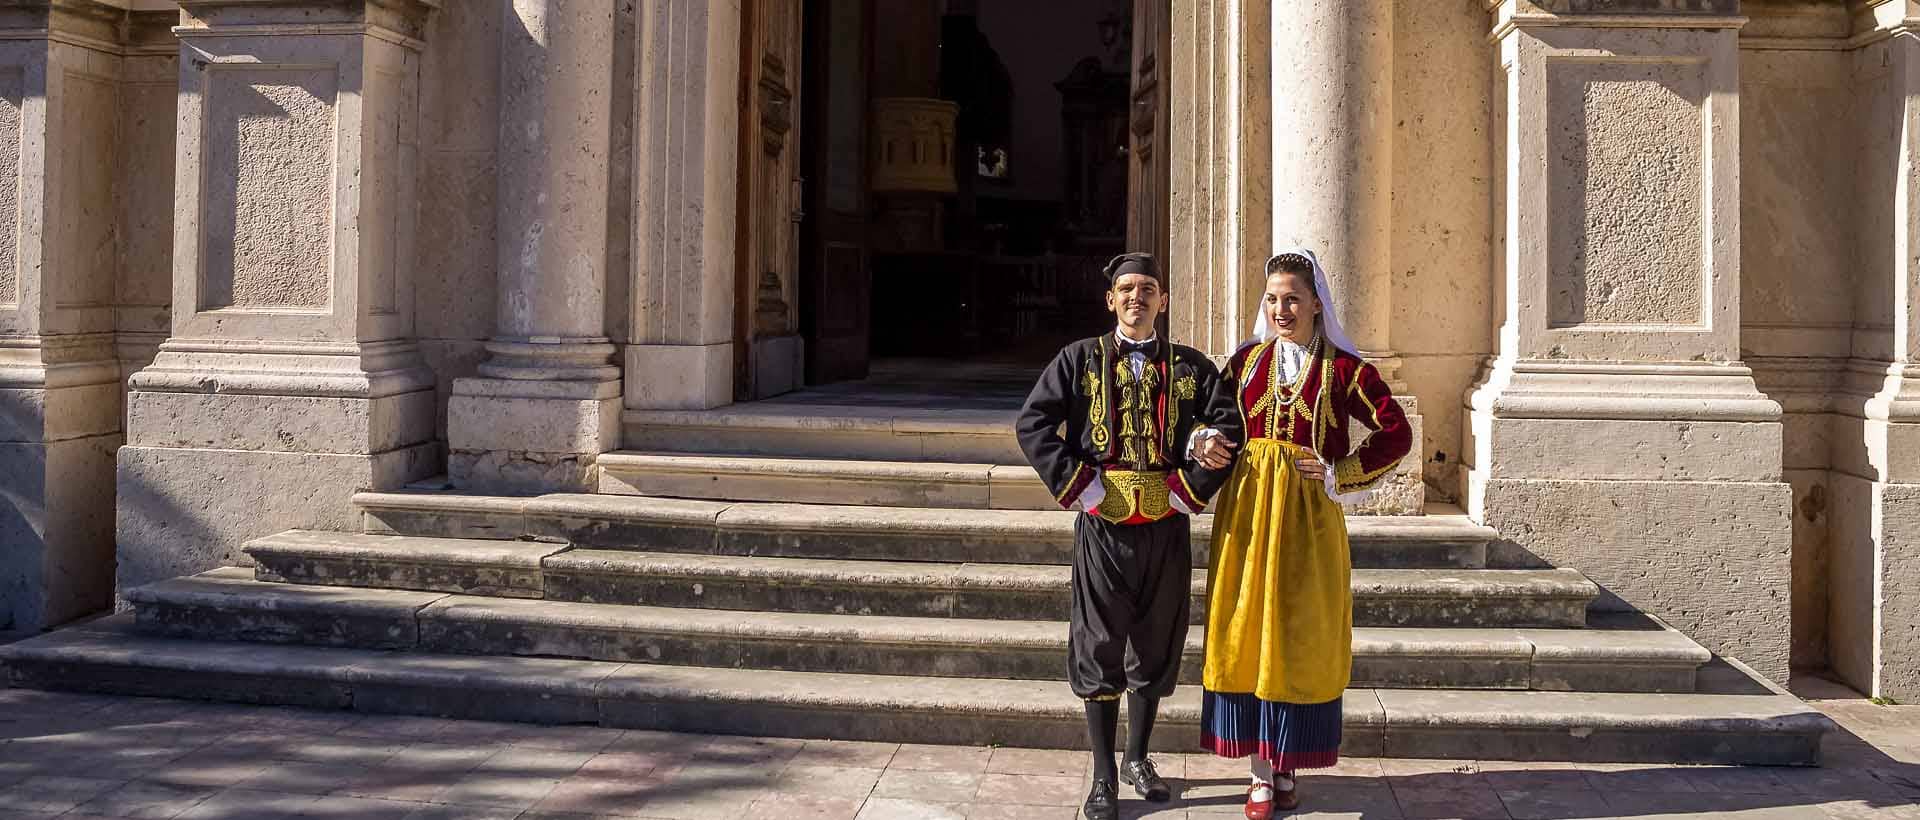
pixel 1512 15
pixel 94 24
pixel 402 21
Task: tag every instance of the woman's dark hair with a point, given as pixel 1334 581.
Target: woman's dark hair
pixel 1297 265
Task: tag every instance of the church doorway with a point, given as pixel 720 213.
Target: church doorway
pixel 934 185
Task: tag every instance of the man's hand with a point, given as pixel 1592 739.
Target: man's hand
pixel 1213 452
pixel 1312 469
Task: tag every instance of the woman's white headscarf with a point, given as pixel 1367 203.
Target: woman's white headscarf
pixel 1329 318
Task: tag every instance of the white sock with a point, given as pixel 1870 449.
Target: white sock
pixel 1262 770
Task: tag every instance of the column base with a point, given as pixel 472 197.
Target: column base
pixel 183 511
pixel 56 536
pixel 231 440
pixel 59 425
pixel 1662 482
pixel 515 436
pixel 1712 558
pixel 679 377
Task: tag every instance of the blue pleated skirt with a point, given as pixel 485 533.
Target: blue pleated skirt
pixel 1291 736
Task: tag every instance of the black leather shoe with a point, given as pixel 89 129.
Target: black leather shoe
pixel 1140 775
pixel 1102 802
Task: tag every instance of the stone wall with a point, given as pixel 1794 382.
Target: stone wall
pixel 1443 227
pixel 1799 206
pixel 460 127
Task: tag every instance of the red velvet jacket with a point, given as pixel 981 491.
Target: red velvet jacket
pixel 1335 388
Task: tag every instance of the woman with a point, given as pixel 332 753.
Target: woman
pixel 1279 603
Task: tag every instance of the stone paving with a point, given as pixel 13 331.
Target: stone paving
pixel 84 756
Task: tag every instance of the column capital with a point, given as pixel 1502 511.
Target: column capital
pixel 407 19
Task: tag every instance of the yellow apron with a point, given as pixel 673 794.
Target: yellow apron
pixel 1279 583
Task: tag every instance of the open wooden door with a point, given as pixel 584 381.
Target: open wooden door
pixel 1148 171
pixel 769 351
pixel 836 285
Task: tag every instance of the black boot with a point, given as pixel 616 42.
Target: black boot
pixel 1138 771
pixel 1102 803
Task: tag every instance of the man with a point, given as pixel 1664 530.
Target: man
pixel 1133 407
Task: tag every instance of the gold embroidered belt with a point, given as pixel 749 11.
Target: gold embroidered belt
pixel 1134 496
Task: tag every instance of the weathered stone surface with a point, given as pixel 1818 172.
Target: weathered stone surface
pixel 1536 725
pixel 229 605
pixel 804 481
pixel 1381 597
pixel 1709 558
pixel 819 531
pixel 837 432
pixel 55 545
pixel 508 569
pixel 186 511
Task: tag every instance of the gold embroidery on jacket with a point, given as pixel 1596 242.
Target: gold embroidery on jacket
pixel 1137 445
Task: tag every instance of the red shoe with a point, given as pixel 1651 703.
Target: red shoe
pixel 1259 809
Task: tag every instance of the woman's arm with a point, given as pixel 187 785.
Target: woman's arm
pixel 1369 400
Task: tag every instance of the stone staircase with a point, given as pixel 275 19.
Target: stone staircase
pixel 919 594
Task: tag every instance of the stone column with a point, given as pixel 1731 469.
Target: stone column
pixel 547 400
pixel 1616 430
pixel 1333 155
pixel 62 191
pixel 1874 615
pixel 290 379
pixel 686 169
pixel 1332 144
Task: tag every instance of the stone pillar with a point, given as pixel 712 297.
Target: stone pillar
pixel 1332 135
pixel 1874 615
pixel 547 400
pixel 1333 155
pixel 290 379
pixel 1220 209
pixel 686 171
pixel 62 191
pixel 1616 430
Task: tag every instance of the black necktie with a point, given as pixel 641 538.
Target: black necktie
pixel 1146 348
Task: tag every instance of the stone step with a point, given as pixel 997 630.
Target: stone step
pixel 228 604
pixel 825 481
pixel 848 532
pixel 1382 597
pixel 1764 729
pixel 836 431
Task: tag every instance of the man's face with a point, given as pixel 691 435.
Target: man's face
pixel 1136 300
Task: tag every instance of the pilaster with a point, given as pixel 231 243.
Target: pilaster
pixel 290 378
pixel 61 66
pixel 547 400
pixel 686 170
pixel 1616 429
pixel 1874 615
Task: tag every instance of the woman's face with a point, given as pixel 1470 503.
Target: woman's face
pixel 1292 307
